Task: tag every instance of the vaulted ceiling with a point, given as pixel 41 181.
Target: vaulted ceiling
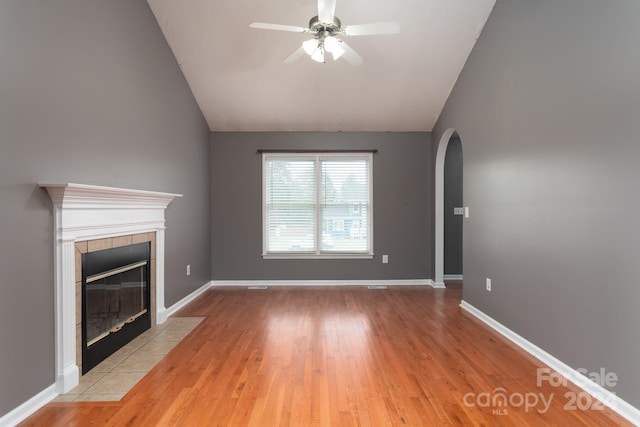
pixel 240 82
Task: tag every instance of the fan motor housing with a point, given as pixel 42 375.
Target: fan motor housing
pixel 316 26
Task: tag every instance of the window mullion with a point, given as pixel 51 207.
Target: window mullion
pixel 318 206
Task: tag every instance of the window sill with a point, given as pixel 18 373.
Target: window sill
pixel 316 256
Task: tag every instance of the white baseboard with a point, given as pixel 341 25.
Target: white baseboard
pixel 618 405
pixel 452 277
pixel 23 411
pixel 394 282
pixel 438 285
pixel 184 301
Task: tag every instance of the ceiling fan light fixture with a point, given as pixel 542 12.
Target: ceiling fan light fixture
pixel 310 46
pixel 331 43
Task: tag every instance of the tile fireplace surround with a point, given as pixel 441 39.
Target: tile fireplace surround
pixel 88 213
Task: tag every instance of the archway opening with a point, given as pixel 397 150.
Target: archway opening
pixel 449 209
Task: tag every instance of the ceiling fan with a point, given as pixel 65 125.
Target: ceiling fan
pixel 325 27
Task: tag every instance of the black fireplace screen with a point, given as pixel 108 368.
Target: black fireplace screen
pixel 115 300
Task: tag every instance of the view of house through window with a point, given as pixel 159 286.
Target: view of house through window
pixel 317 204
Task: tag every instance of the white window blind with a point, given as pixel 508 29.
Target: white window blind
pixel 317 205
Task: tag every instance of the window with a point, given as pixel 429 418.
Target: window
pixel 317 205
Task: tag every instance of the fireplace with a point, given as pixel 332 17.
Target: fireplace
pixel 116 298
pixel 89 218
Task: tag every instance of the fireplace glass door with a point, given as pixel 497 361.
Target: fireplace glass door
pixel 115 300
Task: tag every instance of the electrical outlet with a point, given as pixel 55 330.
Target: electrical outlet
pixel 488 284
pixel 188 269
pixel 385 259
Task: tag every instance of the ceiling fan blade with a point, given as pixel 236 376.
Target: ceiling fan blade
pixel 350 55
pixel 295 55
pixel 326 11
pixel 372 29
pixel 278 27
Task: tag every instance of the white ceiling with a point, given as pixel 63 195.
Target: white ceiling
pixel 240 83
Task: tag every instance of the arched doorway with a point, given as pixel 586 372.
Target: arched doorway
pixel 442 216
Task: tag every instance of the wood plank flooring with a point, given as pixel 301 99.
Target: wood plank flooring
pixel 335 356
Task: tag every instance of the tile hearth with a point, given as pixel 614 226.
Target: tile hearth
pixel 116 375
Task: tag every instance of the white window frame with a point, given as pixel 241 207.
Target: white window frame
pixel 319 254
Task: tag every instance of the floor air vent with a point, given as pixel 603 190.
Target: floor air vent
pixel 257 287
pixel 375 287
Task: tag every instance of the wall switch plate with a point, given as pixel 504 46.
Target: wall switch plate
pixel 385 259
pixel 188 269
pixel 458 211
pixel 466 211
pixel 488 284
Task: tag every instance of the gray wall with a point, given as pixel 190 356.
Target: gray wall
pixel 453 199
pixel 89 93
pixel 402 190
pixel 547 110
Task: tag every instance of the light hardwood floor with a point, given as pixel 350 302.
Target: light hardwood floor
pixel 335 356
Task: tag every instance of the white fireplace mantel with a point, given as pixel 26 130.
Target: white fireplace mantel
pixel 88 212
